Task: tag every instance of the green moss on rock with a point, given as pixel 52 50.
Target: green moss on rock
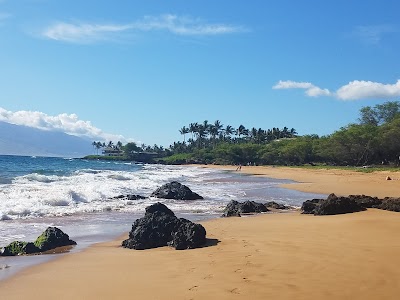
pixel 51 238
pixel 19 248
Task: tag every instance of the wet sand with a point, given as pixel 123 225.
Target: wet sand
pixel 326 181
pixel 270 256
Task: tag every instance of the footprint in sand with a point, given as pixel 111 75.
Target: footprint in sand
pixel 238 271
pixel 235 291
pixel 209 276
pixel 193 288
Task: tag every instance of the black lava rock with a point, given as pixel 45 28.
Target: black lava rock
pixel 275 205
pixel 308 206
pixel 175 190
pixel 51 238
pixel 366 201
pixel 19 248
pixel 188 235
pixel 160 227
pixel 235 208
pixel 392 204
pixel 332 205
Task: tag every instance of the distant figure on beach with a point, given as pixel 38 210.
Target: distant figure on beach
pixel 239 167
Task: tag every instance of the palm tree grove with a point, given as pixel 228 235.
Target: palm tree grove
pixel 373 140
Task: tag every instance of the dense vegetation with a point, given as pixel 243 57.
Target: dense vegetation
pixel 374 140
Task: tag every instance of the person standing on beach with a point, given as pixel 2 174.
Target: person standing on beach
pixel 239 168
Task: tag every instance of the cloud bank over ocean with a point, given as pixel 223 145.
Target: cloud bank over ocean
pixel 67 123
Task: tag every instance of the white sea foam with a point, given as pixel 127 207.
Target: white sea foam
pixel 89 190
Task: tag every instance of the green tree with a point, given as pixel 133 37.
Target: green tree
pixel 184 130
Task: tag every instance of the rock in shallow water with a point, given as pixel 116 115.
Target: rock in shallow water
pixel 19 248
pixel 175 190
pixel 160 227
pixel 50 239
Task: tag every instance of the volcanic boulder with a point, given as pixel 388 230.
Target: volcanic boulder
pixel 160 227
pixel 392 204
pixel 275 205
pixel 51 238
pixel 308 206
pixel 366 201
pixel 235 208
pixel 175 190
pixel 19 248
pixel 332 205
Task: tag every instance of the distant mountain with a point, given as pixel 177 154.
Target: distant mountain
pixel 23 140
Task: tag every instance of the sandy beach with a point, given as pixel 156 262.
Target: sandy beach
pixel 277 256
pixel 326 181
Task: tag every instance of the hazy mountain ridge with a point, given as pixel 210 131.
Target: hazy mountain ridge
pixel 23 140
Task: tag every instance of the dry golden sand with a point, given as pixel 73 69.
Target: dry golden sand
pixel 272 256
pixel 326 181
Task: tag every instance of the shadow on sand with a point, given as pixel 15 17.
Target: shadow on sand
pixel 210 243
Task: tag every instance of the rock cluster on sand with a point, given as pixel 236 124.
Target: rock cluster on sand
pixel 392 204
pixel 341 205
pixel 50 239
pixel 160 227
pixel 235 208
pixel 175 190
pixel 275 205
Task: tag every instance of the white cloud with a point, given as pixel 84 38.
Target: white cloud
pixel 367 89
pixel 68 123
pixel 83 33
pixel 310 89
pixel 354 90
pixel 87 33
pixel 373 34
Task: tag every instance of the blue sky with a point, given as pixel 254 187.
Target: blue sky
pixel 140 70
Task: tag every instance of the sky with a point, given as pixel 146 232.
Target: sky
pixel 140 70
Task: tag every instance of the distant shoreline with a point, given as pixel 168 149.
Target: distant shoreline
pixel 326 181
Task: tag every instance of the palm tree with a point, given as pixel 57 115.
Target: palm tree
pixel 261 135
pixel 228 131
pixel 183 131
pixel 285 132
pixel 119 145
pixel 242 131
pixel 218 126
pixel 206 127
pixel 293 132
pixel 110 144
pixel 94 144
pixel 202 133
pixel 193 129
pixel 98 146
pixel 253 134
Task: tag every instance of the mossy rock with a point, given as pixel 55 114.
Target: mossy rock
pixel 52 238
pixel 19 248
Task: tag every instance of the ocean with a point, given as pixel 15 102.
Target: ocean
pixel 77 195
